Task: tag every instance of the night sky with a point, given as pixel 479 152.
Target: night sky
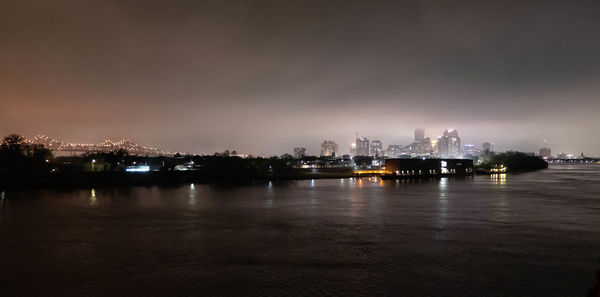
pixel 267 76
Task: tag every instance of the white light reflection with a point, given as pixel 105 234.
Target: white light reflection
pixel 269 195
pixel 192 194
pixel 442 220
pixel 312 183
pixel 93 199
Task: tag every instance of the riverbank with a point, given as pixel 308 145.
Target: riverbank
pixel 107 179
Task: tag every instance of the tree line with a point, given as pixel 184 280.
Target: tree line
pixel 18 156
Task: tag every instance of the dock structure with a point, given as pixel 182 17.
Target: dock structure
pixel 399 168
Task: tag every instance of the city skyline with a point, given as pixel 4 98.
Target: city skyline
pixel 328 145
pixel 264 77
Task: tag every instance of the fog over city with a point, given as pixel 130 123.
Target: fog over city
pixel 263 77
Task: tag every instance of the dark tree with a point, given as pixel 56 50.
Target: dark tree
pixel 17 155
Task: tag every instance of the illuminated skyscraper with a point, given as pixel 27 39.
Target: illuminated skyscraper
pixel 353 149
pixel 394 150
pixel 434 146
pixel 362 146
pixel 377 148
pixel 329 148
pixel 449 144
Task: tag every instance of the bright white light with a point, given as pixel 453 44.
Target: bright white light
pixel 138 169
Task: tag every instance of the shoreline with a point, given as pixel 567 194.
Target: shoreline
pixel 24 180
pixel 65 180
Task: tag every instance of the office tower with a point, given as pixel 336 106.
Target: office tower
pixel 329 148
pixel 353 149
pixel 394 150
pixel 299 152
pixel 434 146
pixel 362 146
pixel 422 147
pixel 545 152
pixel 449 144
pixel 377 148
pixel 419 135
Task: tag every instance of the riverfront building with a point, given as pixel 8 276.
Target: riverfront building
pixel 428 167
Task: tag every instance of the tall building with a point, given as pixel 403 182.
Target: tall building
pixel 434 146
pixel 353 149
pixel 449 144
pixel 469 149
pixel 377 148
pixel 422 147
pixel 299 152
pixel 394 150
pixel 362 146
pixel 486 146
pixel 419 135
pixel 329 148
pixel 545 152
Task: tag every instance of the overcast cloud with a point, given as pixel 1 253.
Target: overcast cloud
pixel 266 76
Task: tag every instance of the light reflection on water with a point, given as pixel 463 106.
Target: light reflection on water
pixel 93 198
pixel 442 220
pixel 501 205
pixel 192 194
pixel 498 178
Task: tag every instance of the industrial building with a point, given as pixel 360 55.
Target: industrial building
pixel 399 167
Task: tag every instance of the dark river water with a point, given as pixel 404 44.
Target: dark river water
pixel 532 234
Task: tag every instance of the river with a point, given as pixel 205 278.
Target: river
pixel 530 234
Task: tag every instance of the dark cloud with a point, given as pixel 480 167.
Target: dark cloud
pixel 265 76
